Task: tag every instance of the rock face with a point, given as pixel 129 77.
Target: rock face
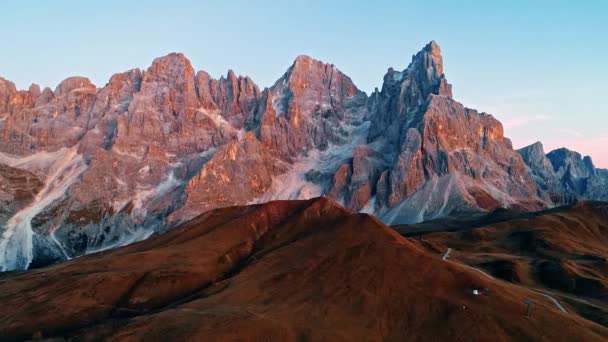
pixel 156 147
pixel 439 157
pixel 565 175
pixel 306 108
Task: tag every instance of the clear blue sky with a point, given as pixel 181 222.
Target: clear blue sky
pixel 539 66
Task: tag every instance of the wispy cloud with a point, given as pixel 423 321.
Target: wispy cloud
pixel 570 132
pixel 518 121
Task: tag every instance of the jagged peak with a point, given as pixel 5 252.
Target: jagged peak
pixel 564 157
pixel 34 89
pixel 433 48
pixel 231 75
pixel 172 56
pixel 306 59
pixel 305 62
pixel 305 67
pixel 428 59
pixel 533 153
pixel 588 162
pixel 426 69
pixel 537 146
pixel 174 62
pixel 563 151
pixel 7 86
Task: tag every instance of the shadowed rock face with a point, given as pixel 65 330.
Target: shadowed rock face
pixel 156 147
pixel 565 175
pixel 284 270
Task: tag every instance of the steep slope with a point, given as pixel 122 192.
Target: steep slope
pixel 278 271
pixel 561 251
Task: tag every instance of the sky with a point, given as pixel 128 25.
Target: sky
pixel 539 66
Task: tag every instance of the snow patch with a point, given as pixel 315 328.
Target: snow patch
pixel 16 245
pixel 220 121
pixel 145 194
pixel 294 185
pixel 370 207
pixel 37 161
pixel 278 101
pixel 398 76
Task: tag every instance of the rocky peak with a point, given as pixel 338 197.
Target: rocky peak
pixel 564 159
pixel 588 163
pixel 307 72
pixel 7 90
pixel 406 93
pixel 75 83
pixel 432 58
pixel 45 97
pixel 34 90
pixel 533 152
pixel 7 87
pixel 204 85
pixel 235 97
pixel 426 68
pixel 166 68
pixel 170 79
pixel 542 172
pixel 305 107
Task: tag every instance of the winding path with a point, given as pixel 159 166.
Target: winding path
pixel 446 255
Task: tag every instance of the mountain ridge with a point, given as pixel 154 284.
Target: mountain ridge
pixel 156 147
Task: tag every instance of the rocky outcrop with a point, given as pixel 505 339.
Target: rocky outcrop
pixel 153 148
pixel 233 97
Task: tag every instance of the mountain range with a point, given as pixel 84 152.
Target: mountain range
pixel 84 169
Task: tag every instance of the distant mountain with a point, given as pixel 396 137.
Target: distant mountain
pixel 281 271
pixel 154 148
pixel 564 175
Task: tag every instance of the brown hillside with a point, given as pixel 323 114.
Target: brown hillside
pixel 563 251
pixel 285 270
